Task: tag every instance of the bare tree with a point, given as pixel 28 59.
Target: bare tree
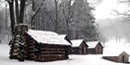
pixel 54 14
pixel 22 9
pixel 0 32
pixel 12 17
pixel 19 12
pixel 68 11
pixel 35 11
pixel 126 14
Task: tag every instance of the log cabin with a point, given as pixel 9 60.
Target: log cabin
pixel 37 45
pixel 95 47
pixel 79 46
pixel 122 57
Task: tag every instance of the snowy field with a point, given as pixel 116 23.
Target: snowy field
pixel 74 60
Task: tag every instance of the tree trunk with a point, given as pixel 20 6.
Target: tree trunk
pixel 56 16
pixel 12 18
pixel 68 19
pixel 22 8
pixel 32 17
pixel 17 11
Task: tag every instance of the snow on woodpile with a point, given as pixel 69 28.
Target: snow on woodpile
pixel 47 37
pixel 76 43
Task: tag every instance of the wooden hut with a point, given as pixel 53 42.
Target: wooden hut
pixel 79 46
pixel 38 45
pixel 95 47
pixel 122 57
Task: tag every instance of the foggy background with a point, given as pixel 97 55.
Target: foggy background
pixel 111 25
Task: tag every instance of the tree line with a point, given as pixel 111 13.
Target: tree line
pixel 71 17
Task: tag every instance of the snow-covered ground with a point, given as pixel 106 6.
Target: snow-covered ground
pixel 74 60
pixel 113 47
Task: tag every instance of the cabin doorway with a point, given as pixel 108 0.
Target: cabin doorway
pixel 123 58
pixel 97 50
pixel 82 49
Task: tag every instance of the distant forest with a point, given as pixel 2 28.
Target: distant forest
pixel 71 17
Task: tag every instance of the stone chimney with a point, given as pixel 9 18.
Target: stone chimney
pixel 21 29
pixel 17 43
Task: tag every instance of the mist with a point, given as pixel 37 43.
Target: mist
pixel 114 28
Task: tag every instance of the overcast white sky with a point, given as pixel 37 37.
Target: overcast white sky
pixel 104 8
pixel 108 21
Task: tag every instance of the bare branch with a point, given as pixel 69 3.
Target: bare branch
pixel 34 13
pixel 40 6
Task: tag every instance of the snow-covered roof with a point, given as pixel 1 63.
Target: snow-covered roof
pixel 47 37
pixel 62 35
pixel 116 50
pixel 76 43
pixel 114 53
pixel 43 33
pixel 92 44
